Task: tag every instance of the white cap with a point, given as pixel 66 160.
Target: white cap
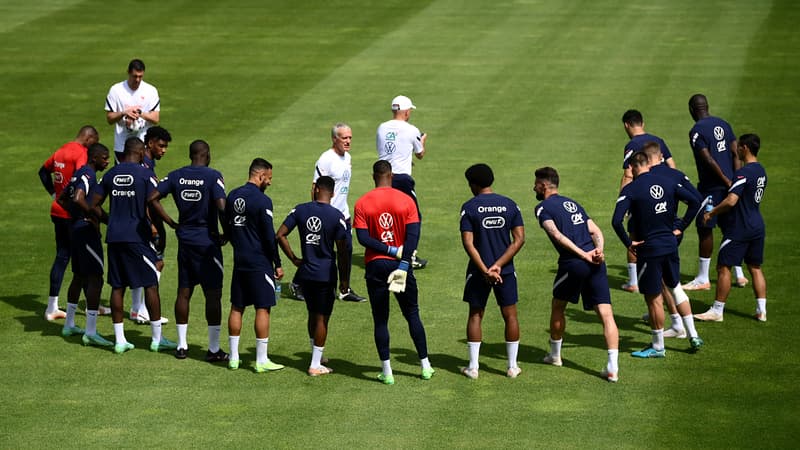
pixel 402 103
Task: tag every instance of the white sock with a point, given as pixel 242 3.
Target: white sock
pixel 119 333
pixel 52 304
pixel 718 306
pixel 688 322
pixel 213 338
pixel 316 356
pixel 137 299
pixel 70 320
pixel 91 321
pixel 761 305
pixel 555 348
pixel 702 271
pixel 658 339
pixel 182 335
pixel 474 352
pixel 261 350
pixel 739 272
pixel 612 366
pixel 425 363
pixel 512 348
pixel 155 328
pixel 676 323
pixel 633 276
pixel 233 343
pixel 158 276
pixel 387 367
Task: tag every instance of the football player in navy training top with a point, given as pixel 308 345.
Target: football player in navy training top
pixel 320 226
pixel 652 202
pixel 743 230
pixel 156 141
pixel 131 258
pixel 87 247
pixel 256 262
pixel 633 122
pixel 199 195
pixel 683 312
pixel 492 233
pixel 714 147
pixel 581 267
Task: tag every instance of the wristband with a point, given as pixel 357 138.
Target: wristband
pixel 403 266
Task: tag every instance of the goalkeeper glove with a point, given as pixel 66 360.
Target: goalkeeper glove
pixel 396 252
pixel 397 279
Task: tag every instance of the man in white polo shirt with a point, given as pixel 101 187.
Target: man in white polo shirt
pixel 132 106
pixel 396 141
pixel 335 163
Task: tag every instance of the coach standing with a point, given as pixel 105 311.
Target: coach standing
pixel 132 106
pixel 396 140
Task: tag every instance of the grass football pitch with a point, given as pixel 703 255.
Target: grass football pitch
pixel 516 84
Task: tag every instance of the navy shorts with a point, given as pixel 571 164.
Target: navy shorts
pixel 405 183
pixel 654 269
pixel 131 264
pixel 732 253
pixel 199 265
pixel 476 290
pixel 319 295
pixel 252 288
pixel 577 278
pixel 376 274
pixel 717 196
pixel 87 250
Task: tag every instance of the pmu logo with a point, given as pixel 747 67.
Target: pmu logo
pixel 239 205
pixel 570 207
pixel 123 180
pixel 386 221
pixel 494 222
pixel 314 224
pixel 191 195
pixel 656 192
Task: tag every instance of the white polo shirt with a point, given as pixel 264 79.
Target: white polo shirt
pixel 120 96
pixel 395 142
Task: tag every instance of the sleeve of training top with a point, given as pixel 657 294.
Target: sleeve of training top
pixel 694 200
pixel 621 208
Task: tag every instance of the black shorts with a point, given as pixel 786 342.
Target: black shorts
pixel 199 265
pixel 319 295
pixel 252 288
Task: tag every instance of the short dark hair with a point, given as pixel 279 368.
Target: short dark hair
pixel 137 65
pixel 480 175
pixel 548 174
pixel 381 167
pixel 325 183
pixel 752 141
pixel 132 144
pixel 639 159
pixel 87 130
pixel 698 102
pixel 632 117
pixel 158 133
pixel 197 148
pixel 259 164
pixel 96 149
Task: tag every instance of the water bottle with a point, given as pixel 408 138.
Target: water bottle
pixel 277 290
pixel 709 203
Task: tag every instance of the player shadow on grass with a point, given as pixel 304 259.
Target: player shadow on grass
pixel 32 316
pixel 301 360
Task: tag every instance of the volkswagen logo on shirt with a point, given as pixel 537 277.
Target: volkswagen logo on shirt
pixel 386 220
pixel 239 205
pixel 570 207
pixel 719 133
pixel 656 191
pixel 314 224
pixel 123 180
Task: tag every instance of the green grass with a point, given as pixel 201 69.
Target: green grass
pixel 516 84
